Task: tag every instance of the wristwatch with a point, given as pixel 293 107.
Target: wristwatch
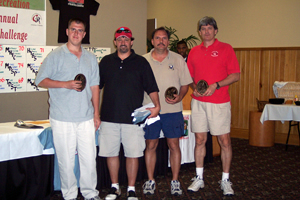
pixel 218 86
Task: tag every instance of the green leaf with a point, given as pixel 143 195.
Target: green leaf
pixel 174 39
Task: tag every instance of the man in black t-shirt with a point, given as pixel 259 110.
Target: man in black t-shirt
pixel 125 77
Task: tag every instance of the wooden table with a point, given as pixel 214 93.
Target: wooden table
pixel 282 112
pixel 260 135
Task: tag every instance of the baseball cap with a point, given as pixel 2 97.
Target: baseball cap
pixel 123 31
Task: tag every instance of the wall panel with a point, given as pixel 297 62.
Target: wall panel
pixel 260 68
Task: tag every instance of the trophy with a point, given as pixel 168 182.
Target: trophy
pixel 170 92
pixel 201 86
pixel 81 77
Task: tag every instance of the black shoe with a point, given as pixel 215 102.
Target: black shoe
pixel 131 195
pixel 113 194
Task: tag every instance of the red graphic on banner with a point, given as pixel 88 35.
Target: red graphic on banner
pixel 77 1
pixel 21 80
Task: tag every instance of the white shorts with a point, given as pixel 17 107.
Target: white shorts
pixel 212 117
pixel 111 135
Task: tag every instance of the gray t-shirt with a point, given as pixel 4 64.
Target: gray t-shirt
pixel 65 104
pixel 171 72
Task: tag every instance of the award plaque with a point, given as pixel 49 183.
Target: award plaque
pixel 81 77
pixel 201 86
pixel 170 92
pixel 21 124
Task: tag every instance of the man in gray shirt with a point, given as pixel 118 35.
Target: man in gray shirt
pixel 74 110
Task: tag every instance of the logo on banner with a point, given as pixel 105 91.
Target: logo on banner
pixel 36 18
pixel 76 3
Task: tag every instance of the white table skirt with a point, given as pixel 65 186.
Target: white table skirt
pixel 187 143
pixel 282 112
pixel 16 143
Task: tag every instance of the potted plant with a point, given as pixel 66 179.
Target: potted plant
pixel 191 40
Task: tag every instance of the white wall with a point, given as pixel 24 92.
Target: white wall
pixel 241 23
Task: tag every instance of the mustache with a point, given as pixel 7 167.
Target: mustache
pixel 161 44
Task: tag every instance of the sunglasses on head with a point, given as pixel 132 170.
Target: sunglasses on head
pixel 125 31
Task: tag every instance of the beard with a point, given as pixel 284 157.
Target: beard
pixel 123 49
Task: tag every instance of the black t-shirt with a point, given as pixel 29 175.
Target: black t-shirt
pixel 124 82
pixel 74 9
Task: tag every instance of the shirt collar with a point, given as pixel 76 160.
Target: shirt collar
pixel 167 57
pixel 216 42
pixel 65 48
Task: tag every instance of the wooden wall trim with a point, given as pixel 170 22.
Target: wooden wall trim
pixel 265 48
pixel 280 138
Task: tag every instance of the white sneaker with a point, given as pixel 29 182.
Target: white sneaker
pixel 226 187
pixel 94 198
pixel 149 187
pixel 114 193
pixel 196 185
pixel 175 188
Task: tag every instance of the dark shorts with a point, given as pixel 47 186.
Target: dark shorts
pixel 172 125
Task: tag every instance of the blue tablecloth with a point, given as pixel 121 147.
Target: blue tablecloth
pixel 46 140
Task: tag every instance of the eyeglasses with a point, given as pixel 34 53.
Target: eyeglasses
pixel 126 39
pixel 125 31
pixel 73 30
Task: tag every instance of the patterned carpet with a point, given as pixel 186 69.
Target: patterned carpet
pixel 256 173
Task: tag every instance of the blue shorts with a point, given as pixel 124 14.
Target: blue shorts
pixel 172 125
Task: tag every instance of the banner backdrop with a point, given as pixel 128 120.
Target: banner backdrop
pixel 19 65
pixel 23 22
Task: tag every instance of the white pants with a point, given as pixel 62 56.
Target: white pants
pixel 69 137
